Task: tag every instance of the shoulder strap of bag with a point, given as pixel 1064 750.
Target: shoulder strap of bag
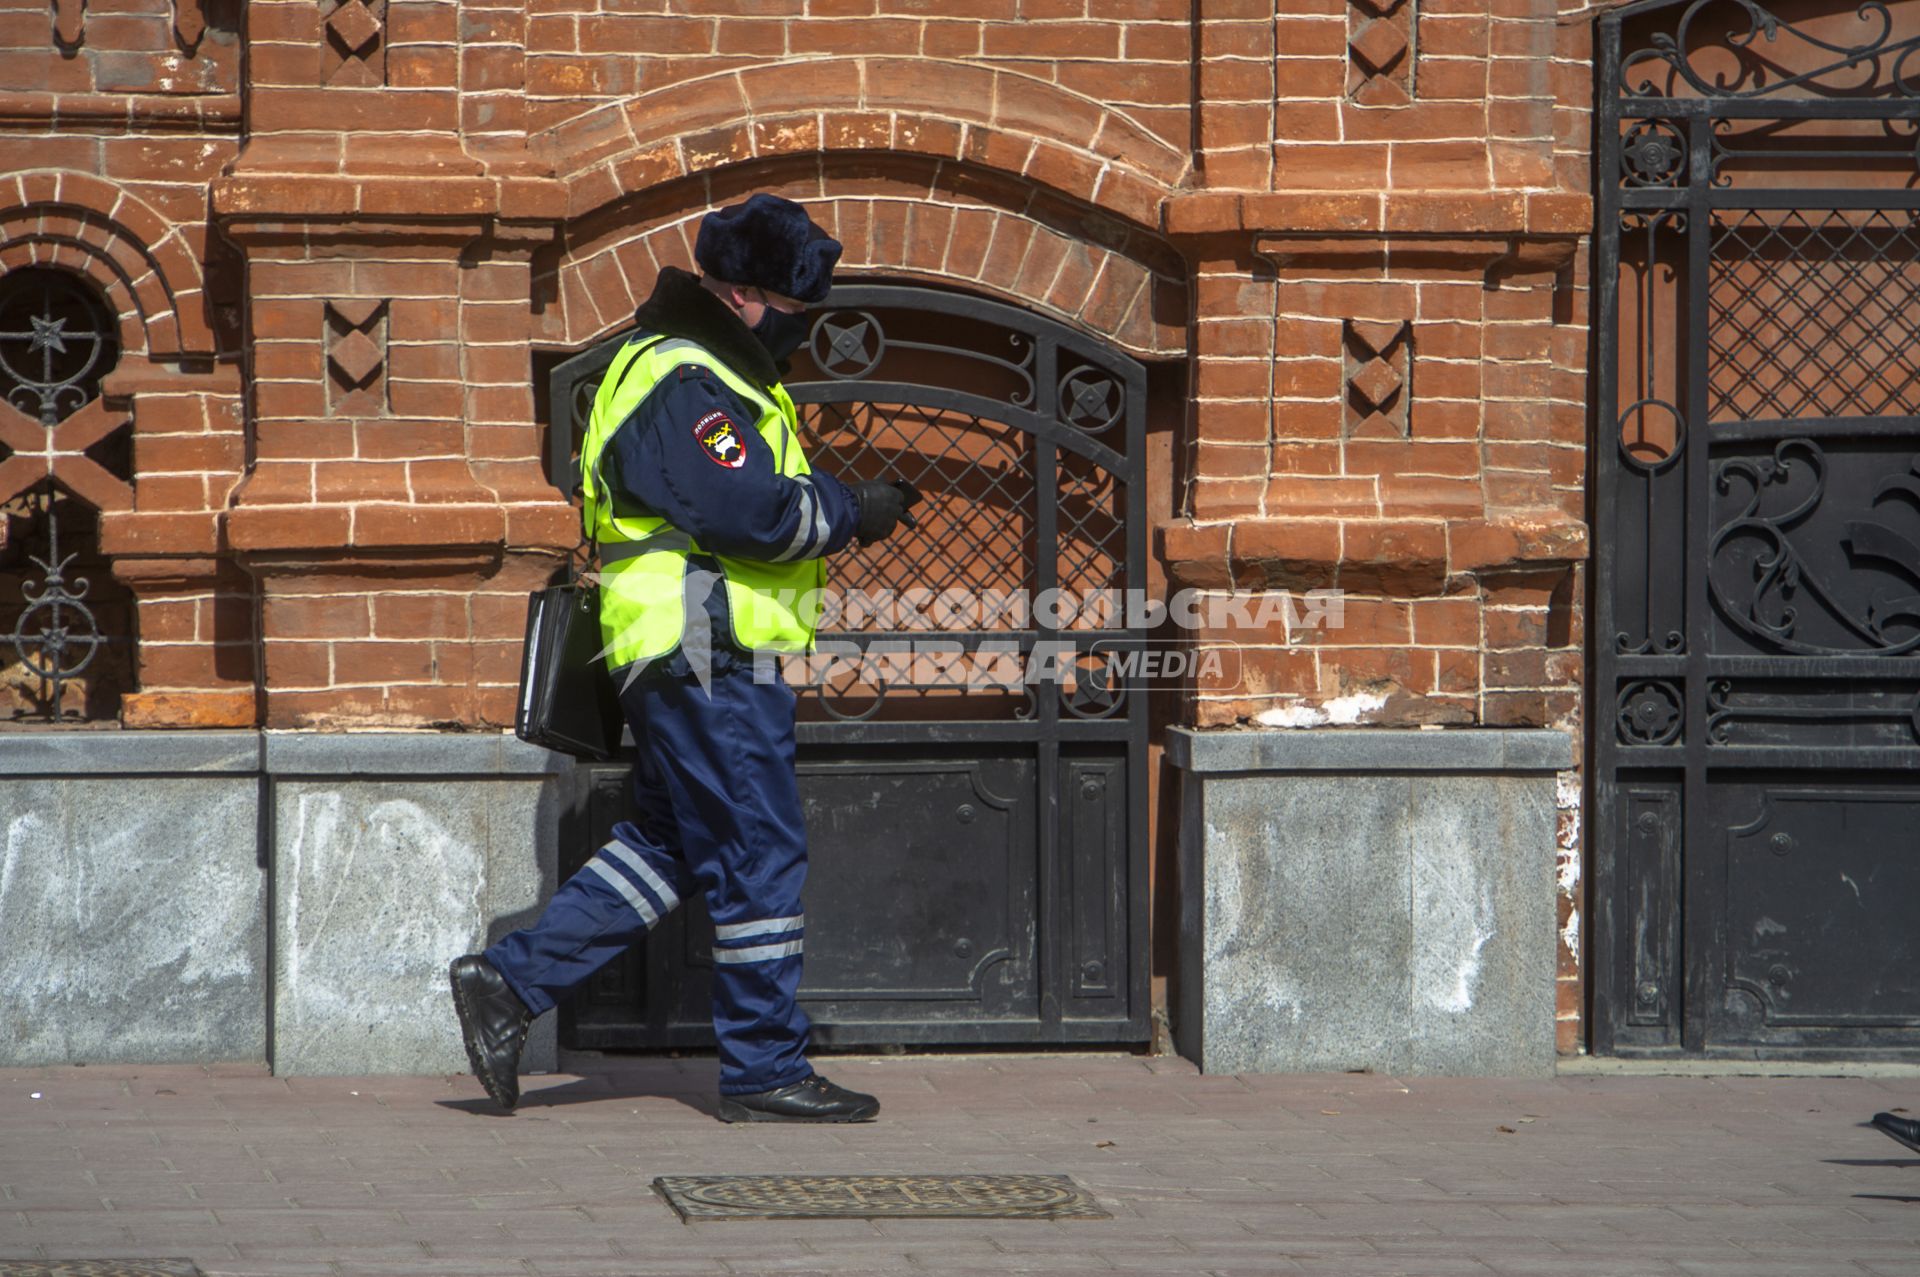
pixel 617 371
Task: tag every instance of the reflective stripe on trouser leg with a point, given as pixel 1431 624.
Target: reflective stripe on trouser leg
pixel 624 889
pixel 726 756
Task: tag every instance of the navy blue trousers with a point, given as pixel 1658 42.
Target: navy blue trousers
pixel 719 813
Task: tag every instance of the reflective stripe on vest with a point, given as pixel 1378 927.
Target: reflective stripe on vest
pixel 644 593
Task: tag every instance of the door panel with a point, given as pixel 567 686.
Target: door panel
pixel 1757 565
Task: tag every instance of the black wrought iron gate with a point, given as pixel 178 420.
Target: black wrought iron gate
pixel 978 838
pixel 1757 638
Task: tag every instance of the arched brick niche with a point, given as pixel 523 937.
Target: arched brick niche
pixel 902 216
pixel 140 262
pixel 175 398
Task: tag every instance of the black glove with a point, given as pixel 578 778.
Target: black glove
pixel 883 504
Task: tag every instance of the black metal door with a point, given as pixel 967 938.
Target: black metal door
pixel 978 842
pixel 1757 595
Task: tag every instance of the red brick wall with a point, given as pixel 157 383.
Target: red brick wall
pixel 114 117
pixel 1134 55
pixel 1360 227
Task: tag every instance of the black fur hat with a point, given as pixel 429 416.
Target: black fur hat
pixel 769 243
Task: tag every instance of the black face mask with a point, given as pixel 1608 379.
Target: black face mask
pixel 781 333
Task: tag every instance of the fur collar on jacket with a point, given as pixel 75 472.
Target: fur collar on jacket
pixel 680 307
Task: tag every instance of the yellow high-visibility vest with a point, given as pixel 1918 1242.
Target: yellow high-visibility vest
pixel 773 606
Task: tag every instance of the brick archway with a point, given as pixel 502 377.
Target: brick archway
pixel 899 217
pixel 995 119
pixel 133 255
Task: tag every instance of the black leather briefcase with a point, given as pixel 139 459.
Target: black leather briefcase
pixel 567 698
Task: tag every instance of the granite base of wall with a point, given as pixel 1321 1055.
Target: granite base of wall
pixel 289 898
pixel 1367 899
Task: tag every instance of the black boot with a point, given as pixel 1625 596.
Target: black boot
pixel 493 1024
pixel 813 1099
pixel 1904 1129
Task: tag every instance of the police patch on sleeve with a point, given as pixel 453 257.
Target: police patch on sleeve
pixel 721 440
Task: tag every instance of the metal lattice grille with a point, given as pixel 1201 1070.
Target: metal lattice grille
pixel 975 528
pixel 1810 314
pixel 878 1197
pixel 1092 543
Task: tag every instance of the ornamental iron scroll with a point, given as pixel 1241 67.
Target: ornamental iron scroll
pixel 1649 713
pixel 1653 153
pixel 56 635
pixel 56 343
pixel 1739 49
pixel 1749 711
pixel 1752 150
pixel 852 344
pixel 1761 579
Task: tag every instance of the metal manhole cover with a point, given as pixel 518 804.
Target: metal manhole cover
pixel 878 1197
pixel 100 1268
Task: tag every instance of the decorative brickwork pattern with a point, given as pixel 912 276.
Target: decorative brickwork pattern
pixel 1351 248
pixel 68 21
pixel 59 453
pixel 1133 60
pixel 1119 282
pixel 355 53
pixel 1380 51
pixel 189 23
pixel 999 120
pixel 1379 357
pixel 161 52
pixel 357 357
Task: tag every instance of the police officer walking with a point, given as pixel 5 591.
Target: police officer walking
pixel 711 529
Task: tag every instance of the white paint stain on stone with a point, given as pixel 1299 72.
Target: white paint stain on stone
pixel 1457 997
pixel 1454 920
pixel 1282 1000
pixel 381 896
pixel 121 936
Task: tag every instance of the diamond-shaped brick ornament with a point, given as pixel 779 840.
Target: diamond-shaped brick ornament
pixel 357 312
pixel 1381 7
pixel 1379 45
pixel 1376 334
pixel 355 26
pixel 357 356
pixel 189 22
pixel 1377 382
pixel 353 73
pixel 1379 90
pixel 1378 425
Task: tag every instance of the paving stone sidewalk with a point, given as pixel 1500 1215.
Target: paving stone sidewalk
pixel 1349 1175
